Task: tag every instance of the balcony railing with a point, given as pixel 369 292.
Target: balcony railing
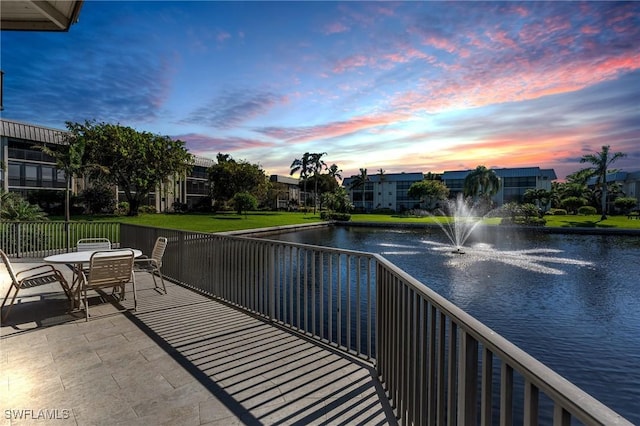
pixel 438 364
pixel 41 239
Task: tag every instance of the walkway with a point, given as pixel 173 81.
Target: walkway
pixel 181 359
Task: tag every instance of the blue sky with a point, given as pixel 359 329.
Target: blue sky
pixel 402 86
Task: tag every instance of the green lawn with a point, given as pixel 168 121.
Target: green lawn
pixel 221 222
pixel 565 221
pixel 218 222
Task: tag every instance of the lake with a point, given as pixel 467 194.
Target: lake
pixel 571 301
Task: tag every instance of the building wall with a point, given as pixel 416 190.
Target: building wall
pixel 384 191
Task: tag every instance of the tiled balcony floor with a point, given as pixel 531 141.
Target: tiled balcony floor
pixel 182 359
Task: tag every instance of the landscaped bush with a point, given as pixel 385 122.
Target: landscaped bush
pixel 329 215
pixel 557 212
pixel 587 210
pixel 123 208
pixel 147 209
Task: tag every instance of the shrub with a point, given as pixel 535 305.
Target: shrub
pixel 557 212
pixel 99 199
pixel 123 208
pixel 147 209
pixel 329 215
pixel 626 203
pixel 587 210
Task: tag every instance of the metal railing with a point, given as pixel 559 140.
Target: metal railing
pixel 40 239
pixel 437 364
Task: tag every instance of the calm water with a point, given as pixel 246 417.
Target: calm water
pixel 571 301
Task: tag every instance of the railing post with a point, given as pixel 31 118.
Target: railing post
pixel 272 282
pixel 67 235
pixel 18 239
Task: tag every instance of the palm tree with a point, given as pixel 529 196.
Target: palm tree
pixel 601 162
pixel 69 159
pixel 481 182
pixel 317 165
pixel 360 181
pixel 334 172
pixel 303 167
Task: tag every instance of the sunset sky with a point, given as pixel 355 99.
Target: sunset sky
pixel 402 86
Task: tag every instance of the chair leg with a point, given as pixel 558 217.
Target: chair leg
pixel 86 303
pixel 164 287
pixel 13 299
pixel 135 298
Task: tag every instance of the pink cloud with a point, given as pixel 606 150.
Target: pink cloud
pixel 198 143
pixel 335 28
pixel 222 36
pixel 352 62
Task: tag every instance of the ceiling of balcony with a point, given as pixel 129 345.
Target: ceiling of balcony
pixel 39 15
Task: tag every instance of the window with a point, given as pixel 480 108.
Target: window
pixel 30 175
pixel 14 174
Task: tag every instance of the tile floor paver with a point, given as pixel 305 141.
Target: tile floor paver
pixel 183 358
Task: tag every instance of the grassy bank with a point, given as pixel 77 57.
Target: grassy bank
pixel 222 222
pixel 565 221
pixel 219 222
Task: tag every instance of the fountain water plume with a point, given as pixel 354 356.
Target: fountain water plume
pixel 463 220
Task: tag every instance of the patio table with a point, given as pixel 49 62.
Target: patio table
pixel 77 259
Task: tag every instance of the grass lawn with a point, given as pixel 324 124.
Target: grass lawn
pixel 218 222
pixel 221 222
pixel 565 221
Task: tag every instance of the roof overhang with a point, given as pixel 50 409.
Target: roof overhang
pixel 39 15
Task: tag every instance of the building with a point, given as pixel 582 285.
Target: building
pixel 288 192
pixel 384 191
pixel 29 169
pixel 513 182
pixel 629 183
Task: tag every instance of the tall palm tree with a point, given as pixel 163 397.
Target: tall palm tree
pixel 481 182
pixel 601 162
pixel 360 181
pixel 317 164
pixel 303 167
pixel 334 171
pixel 70 159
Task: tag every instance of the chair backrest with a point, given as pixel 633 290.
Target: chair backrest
pixel 91 244
pixel 110 268
pixel 158 250
pixel 7 264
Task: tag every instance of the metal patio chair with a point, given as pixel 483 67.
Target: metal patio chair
pixel 29 278
pixel 89 244
pixel 154 263
pixel 109 269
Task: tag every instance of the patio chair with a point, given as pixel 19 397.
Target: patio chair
pixel 29 278
pixel 109 269
pixel 154 263
pixel 89 244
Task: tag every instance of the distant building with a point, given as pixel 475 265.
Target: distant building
pixel 513 182
pixel 29 169
pixel 288 193
pixel 387 191
pixel 629 183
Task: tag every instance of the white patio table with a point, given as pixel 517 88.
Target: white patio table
pixel 78 259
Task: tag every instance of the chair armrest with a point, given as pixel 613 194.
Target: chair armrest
pixel 46 269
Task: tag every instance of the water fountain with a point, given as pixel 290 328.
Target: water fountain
pixel 463 220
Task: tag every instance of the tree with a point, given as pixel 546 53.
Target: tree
pixel 317 164
pixel 540 197
pixel 481 182
pixel 229 177
pixel 572 203
pixel 626 203
pixel 334 172
pixel 381 173
pixel 303 167
pixel 244 201
pixel 338 200
pixel 429 191
pixel 601 162
pixel 360 181
pixel 137 162
pixel 70 159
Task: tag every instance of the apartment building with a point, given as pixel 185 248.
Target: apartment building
pixel 514 182
pixel 27 168
pixel 387 191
